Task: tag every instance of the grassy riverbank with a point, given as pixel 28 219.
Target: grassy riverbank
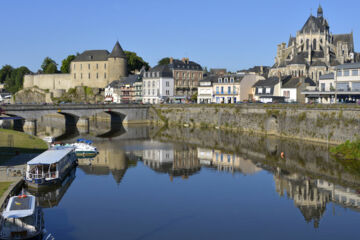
pixel 348 154
pixel 13 143
pixel 3 187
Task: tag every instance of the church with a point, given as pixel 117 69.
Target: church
pixel 314 51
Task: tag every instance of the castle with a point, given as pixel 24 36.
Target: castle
pixel 314 51
pixel 92 68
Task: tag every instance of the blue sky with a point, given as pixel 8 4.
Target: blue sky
pixel 234 34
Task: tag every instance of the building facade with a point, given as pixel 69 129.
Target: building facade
pixel 158 85
pixel 205 89
pixel 187 75
pixel 92 68
pixel 314 51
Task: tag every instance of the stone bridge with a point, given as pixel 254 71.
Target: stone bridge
pixel 79 114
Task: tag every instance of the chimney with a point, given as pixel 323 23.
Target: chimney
pixel 187 60
pixel 171 60
pixel 183 60
pixel 279 76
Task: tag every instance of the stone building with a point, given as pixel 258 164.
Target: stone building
pixel 92 68
pixel 187 75
pixel 314 50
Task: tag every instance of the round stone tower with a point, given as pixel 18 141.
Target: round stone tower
pixel 117 63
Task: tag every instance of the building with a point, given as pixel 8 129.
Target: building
pixel 343 84
pixel 92 68
pixel 234 88
pixel 205 89
pixel 187 75
pixel 314 51
pixel 124 90
pixel 259 70
pixel 218 71
pixel 158 85
pixel 269 90
pixel 292 89
pixel 5 97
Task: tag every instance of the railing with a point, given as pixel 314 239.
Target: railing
pixel 42 175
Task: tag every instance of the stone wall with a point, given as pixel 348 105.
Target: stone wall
pixel 48 81
pixel 326 124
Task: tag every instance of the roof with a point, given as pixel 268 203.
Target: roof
pixel 348 66
pixel 20 207
pixel 327 76
pixel 163 70
pixel 51 156
pixel 269 82
pixel 291 40
pixel 210 78
pixel 348 38
pixel 294 82
pixel 117 51
pixel 299 58
pixel 92 55
pixel 188 65
pixel 315 24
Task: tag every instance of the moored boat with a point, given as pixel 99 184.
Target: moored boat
pixel 50 167
pixel 84 148
pixel 21 219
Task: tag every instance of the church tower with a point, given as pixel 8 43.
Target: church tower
pixel 320 12
pixel 117 63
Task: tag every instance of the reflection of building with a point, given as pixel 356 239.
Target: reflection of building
pixel 232 162
pixel 110 160
pixel 205 156
pixel 176 161
pixel 344 196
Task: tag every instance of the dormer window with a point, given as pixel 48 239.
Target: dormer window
pixel 225 80
pixel 219 80
pixel 158 74
pixel 231 80
pixel 91 57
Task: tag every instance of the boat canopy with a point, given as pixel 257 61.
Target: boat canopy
pixel 20 207
pixel 51 156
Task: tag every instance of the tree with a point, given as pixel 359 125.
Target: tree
pixel 65 64
pixel 14 81
pixel 134 62
pixel 5 71
pixel 164 61
pixel 49 66
pixel 194 97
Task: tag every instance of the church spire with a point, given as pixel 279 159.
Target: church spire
pixel 320 12
pixel 117 51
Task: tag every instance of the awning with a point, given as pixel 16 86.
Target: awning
pixel 20 207
pixel 51 156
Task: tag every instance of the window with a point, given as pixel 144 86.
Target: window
pixel 80 66
pixel 192 76
pixel 339 73
pixel 234 90
pixel 225 80
pixel 97 75
pixel 188 75
pixel 229 158
pixel 231 80
pixel 183 75
pixel 149 83
pixel 148 91
pixel 219 80
pixel 167 92
pixel 222 90
pixel 260 90
pixel 346 73
pixel 88 66
pixel 81 75
pixel 229 90
pixel 74 75
pixel 167 83
pixel 88 75
pixel 200 76
pixel 287 94
pixel 153 92
pixel 355 72
pixel 177 74
pixel 97 66
pixel 74 66
pixel 268 90
pixel 217 156
pixel 323 87
pixel 105 75
pixel 153 83
pixel 221 157
pixel 105 66
pixel 217 90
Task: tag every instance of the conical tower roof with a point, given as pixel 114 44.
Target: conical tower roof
pixel 117 51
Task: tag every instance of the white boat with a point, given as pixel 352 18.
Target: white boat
pixel 49 139
pixel 50 167
pixel 21 219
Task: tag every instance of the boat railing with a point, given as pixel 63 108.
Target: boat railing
pixel 42 175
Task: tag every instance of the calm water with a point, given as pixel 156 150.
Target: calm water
pixel 191 184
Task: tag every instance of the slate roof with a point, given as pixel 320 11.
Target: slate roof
pixel 117 51
pixel 210 78
pixel 92 55
pixel 327 76
pixel 348 66
pixel 129 80
pixel 177 64
pixel 291 40
pixel 315 24
pixel 348 38
pixel 163 70
pixel 299 59
pixel 319 64
pixel 295 81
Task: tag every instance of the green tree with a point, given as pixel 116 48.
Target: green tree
pixel 65 64
pixel 14 81
pixel 5 71
pixel 134 62
pixel 164 61
pixel 194 97
pixel 49 66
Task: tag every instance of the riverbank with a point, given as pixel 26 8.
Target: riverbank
pixel 318 123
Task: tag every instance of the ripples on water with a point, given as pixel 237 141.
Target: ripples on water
pixel 148 183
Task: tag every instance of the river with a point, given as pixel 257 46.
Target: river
pixel 151 183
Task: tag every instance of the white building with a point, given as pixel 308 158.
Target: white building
pixel 291 90
pixel 158 85
pixel 205 89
